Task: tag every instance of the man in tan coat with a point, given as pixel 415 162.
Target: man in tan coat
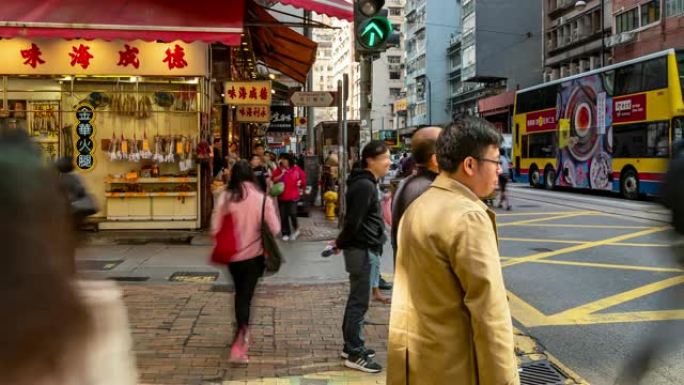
pixel 450 322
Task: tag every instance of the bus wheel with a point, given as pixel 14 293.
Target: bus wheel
pixel 629 184
pixel 549 179
pixel 534 177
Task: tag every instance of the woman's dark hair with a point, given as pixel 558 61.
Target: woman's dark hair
pixel 466 136
pixel 371 150
pixel 46 319
pixel 239 174
pixel 287 157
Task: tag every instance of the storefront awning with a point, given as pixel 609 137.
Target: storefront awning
pixel 496 104
pixel 341 9
pixel 166 20
pixel 279 47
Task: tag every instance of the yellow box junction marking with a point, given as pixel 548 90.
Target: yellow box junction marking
pixel 537 220
pixel 583 246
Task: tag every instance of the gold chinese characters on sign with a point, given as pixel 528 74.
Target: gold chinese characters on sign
pixel 257 93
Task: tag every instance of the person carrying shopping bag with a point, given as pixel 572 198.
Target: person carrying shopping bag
pixel 237 228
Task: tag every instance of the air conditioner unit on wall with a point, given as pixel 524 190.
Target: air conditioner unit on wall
pixel 627 37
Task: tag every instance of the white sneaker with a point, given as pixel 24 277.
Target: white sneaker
pixel 295 235
pixel 286 238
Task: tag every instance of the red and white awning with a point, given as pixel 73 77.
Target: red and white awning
pixel 341 9
pixel 150 20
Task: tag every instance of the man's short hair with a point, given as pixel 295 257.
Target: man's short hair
pixel 466 136
pixel 259 145
pixel 424 148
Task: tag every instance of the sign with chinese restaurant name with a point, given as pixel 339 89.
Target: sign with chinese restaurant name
pixel 85 146
pixel 253 114
pixel 256 93
pixel 314 99
pixel 99 57
pixel 282 119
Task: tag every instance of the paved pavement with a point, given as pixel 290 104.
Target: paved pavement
pixel 182 331
pixel 592 278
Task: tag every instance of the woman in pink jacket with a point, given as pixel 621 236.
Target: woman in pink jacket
pixel 294 179
pixel 244 200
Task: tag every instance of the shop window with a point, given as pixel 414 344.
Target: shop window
pixel 543 145
pixel 650 12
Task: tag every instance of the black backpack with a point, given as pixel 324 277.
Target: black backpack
pixel 673 187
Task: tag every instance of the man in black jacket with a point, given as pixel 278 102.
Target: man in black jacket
pixel 423 145
pixel 361 239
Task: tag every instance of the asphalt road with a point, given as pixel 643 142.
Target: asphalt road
pixel 592 278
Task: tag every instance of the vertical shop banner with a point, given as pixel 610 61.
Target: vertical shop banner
pixel 253 114
pixel 601 112
pixel 85 146
pixel 282 119
pixel 256 93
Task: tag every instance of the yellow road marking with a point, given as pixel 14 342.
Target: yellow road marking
pixel 505 258
pixel 579 225
pixel 625 317
pixel 529 221
pixel 109 266
pixel 614 300
pixel 611 266
pixel 523 214
pixel 584 246
pixel 525 313
pixel 576 242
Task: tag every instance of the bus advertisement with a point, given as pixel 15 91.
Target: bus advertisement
pixel 610 129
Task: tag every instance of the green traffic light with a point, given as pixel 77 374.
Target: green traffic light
pixel 374 32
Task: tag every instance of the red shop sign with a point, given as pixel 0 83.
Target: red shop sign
pixel 629 108
pixel 541 121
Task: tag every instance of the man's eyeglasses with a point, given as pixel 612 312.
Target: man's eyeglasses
pixel 495 161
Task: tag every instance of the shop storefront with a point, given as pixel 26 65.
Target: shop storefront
pixel 133 115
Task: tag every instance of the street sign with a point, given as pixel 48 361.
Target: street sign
pixel 313 99
pixel 374 32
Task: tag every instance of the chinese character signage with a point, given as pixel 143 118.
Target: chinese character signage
pixel 541 121
pixel 253 114
pixel 256 93
pixel 99 57
pixel 629 108
pixel 85 146
pixel 282 119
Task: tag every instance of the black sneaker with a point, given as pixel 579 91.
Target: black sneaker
pixel 363 363
pixel 384 285
pixel 370 353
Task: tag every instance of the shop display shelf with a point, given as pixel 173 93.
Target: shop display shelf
pixel 150 194
pixel 152 180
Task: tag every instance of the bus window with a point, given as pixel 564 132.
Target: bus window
pixel 677 129
pixel 609 82
pixel 517 134
pixel 641 140
pixel 525 152
pixel 628 79
pixel 543 145
pixel 680 64
pixel 537 99
pixel 655 74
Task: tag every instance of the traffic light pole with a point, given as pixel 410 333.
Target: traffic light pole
pixel 366 97
pixel 310 139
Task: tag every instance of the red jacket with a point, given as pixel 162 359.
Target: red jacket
pixel 294 179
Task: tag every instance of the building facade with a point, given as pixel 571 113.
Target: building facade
pixel 575 36
pixel 497 52
pixel 643 27
pixel 428 28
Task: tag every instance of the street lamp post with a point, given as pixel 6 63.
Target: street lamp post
pixel 581 4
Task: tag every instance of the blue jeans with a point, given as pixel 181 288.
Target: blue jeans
pixel 374 260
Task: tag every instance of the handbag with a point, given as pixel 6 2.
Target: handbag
pixel 225 243
pixel 274 257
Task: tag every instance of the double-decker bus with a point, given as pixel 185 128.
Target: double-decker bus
pixel 609 129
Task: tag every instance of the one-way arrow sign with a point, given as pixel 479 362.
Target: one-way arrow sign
pixel 313 99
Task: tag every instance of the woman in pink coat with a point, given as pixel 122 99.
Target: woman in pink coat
pixel 244 200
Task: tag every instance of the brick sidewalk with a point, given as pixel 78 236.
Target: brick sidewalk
pixel 182 335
